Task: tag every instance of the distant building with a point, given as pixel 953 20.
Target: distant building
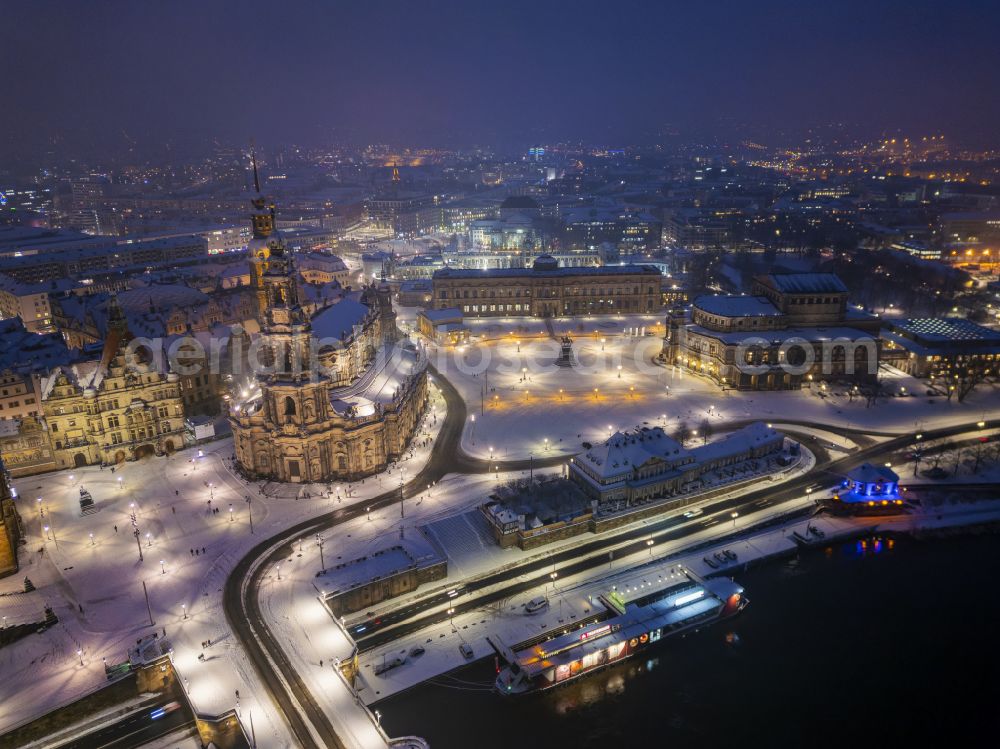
pixel 940 347
pixel 443 325
pixel 416 293
pixel 546 290
pixel 30 301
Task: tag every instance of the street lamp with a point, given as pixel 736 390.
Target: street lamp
pixel 602 344
pixel 649 543
pixel 734 516
pixel 91 539
pixel 451 617
pixel 230 513
pixel 184 608
pixel 277 569
pixel 79 654
pixel 163 570
pixel 149 539
pixel 369 511
pixel 619 371
pixel 378 718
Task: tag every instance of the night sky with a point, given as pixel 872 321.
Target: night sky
pixel 505 72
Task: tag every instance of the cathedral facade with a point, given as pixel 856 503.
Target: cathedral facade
pixel 335 396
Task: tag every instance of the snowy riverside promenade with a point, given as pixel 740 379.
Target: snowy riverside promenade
pixel 92 577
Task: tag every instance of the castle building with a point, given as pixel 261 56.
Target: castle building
pixel 548 290
pixel 792 328
pixel 117 408
pixel 333 396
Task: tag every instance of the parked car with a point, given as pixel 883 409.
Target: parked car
pixel 466 650
pixel 536 604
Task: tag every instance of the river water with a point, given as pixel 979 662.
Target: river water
pixel 881 641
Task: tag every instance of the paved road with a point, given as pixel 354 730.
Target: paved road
pixel 135 729
pixel 297 704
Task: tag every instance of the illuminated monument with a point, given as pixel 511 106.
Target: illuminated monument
pixel 334 396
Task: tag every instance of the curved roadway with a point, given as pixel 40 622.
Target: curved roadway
pixel 240 600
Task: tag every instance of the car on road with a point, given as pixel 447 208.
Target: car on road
pixel 416 651
pixel 536 604
pixel 164 710
pixel 693 513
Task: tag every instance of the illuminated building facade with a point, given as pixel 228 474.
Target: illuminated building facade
pixel 547 290
pixel 310 415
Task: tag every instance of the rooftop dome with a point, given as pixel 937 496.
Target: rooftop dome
pixel 545 262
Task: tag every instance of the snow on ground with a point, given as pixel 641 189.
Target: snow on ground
pixel 524 405
pixel 94 583
pixel 91 575
pixel 295 614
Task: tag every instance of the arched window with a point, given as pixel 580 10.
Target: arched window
pixel 289 406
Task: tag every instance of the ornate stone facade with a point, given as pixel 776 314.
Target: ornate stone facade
pixel 114 409
pixel 314 412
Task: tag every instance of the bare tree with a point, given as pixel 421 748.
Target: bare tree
pixel 705 430
pixel 682 433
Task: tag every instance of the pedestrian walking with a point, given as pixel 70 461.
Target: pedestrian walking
pixel 202 549
pixel 191 552
pixel 116 529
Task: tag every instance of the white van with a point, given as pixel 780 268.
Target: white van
pixel 536 604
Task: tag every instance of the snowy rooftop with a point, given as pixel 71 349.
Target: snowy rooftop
pixel 735 305
pixel 338 320
pixel 869 474
pixel 805 283
pixel 440 315
pixel 813 335
pixel 386 556
pixel 603 270
pixel 623 452
pixel 945 330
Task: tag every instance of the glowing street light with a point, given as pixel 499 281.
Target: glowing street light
pixel 92 539
pixel 79 654
pixel 184 608
pixel 619 371
pixel 734 516
pixel 163 570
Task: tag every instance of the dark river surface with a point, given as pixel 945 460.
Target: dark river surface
pixel 883 642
